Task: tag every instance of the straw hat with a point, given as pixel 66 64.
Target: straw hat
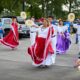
pixel 29 23
pixel 23 15
pixel 71 17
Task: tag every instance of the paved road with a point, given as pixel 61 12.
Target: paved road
pixel 16 65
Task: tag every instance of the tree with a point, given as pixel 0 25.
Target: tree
pixel 48 7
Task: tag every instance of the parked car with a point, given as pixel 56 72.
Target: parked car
pixel 6 24
pixel 1 30
pixel 24 31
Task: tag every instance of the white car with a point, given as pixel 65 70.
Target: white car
pixel 6 25
pixel 24 31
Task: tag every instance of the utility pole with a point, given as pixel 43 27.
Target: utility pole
pixel 70 6
pixel 23 5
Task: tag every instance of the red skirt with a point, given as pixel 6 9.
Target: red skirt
pixel 40 50
pixel 10 40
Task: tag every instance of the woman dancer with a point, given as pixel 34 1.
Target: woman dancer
pixel 63 40
pixel 41 52
pixel 11 40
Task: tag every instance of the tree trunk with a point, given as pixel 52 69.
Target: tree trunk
pixel 70 3
pixel 43 7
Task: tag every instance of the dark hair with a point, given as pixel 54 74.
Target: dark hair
pixel 50 17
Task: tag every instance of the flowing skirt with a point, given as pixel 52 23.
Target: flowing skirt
pixel 41 52
pixel 10 40
pixel 63 43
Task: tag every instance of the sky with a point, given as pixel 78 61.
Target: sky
pixel 65 7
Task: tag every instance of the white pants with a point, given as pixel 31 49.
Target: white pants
pixel 32 38
pixel 54 41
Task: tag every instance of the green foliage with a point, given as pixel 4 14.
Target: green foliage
pixel 32 7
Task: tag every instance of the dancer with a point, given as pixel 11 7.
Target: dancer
pixel 54 36
pixel 77 26
pixel 11 40
pixel 63 40
pixel 41 52
pixel 77 63
pixel 33 30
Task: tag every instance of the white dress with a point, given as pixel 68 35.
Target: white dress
pixel 33 31
pixel 54 42
pixel 42 32
pixel 62 29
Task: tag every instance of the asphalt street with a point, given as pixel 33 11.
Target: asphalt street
pixel 17 65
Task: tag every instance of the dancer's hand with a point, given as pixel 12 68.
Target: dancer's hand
pixel 63 35
pixel 35 26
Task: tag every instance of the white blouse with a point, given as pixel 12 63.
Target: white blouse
pixel 78 28
pixel 43 32
pixel 62 29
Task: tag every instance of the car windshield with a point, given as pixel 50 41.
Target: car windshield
pixel 20 20
pixel 6 22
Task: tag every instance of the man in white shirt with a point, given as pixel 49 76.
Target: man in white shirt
pixel 78 32
pixel 54 37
